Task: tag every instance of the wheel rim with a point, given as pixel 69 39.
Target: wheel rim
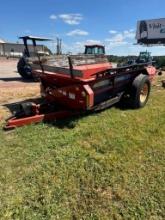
pixel 144 93
pixel 28 70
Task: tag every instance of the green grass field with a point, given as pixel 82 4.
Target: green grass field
pixel 111 165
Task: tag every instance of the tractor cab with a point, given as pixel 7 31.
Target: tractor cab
pixel 94 49
pixel 144 57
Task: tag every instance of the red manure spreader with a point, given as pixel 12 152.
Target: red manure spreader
pixel 82 83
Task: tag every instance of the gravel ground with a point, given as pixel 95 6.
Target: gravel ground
pixel 12 87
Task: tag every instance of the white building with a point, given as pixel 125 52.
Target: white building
pixel 15 49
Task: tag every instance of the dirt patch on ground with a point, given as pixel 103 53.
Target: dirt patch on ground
pixel 16 92
pixel 12 87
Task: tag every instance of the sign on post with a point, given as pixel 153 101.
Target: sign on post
pixel 151 31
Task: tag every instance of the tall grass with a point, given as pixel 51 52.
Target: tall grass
pixel 109 166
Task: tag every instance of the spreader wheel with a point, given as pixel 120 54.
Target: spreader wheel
pixel 140 91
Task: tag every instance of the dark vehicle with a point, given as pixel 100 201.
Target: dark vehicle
pixel 23 66
pixel 144 57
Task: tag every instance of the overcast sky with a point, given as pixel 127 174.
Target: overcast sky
pixel 78 22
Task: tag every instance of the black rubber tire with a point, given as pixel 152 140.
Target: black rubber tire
pixel 24 69
pixel 136 89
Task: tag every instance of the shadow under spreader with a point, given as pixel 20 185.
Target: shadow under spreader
pixel 18 79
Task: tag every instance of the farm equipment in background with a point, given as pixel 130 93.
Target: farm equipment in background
pixel 23 66
pixel 144 57
pixel 84 83
pixel 94 49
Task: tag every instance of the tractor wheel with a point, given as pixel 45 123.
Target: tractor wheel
pixel 140 91
pixel 24 69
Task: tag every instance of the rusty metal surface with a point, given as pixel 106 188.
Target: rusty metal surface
pixel 62 60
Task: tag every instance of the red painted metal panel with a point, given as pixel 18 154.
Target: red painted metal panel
pixel 17 122
pixel 87 72
pixel 151 70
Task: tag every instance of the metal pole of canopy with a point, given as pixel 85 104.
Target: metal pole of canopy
pixel 35 50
